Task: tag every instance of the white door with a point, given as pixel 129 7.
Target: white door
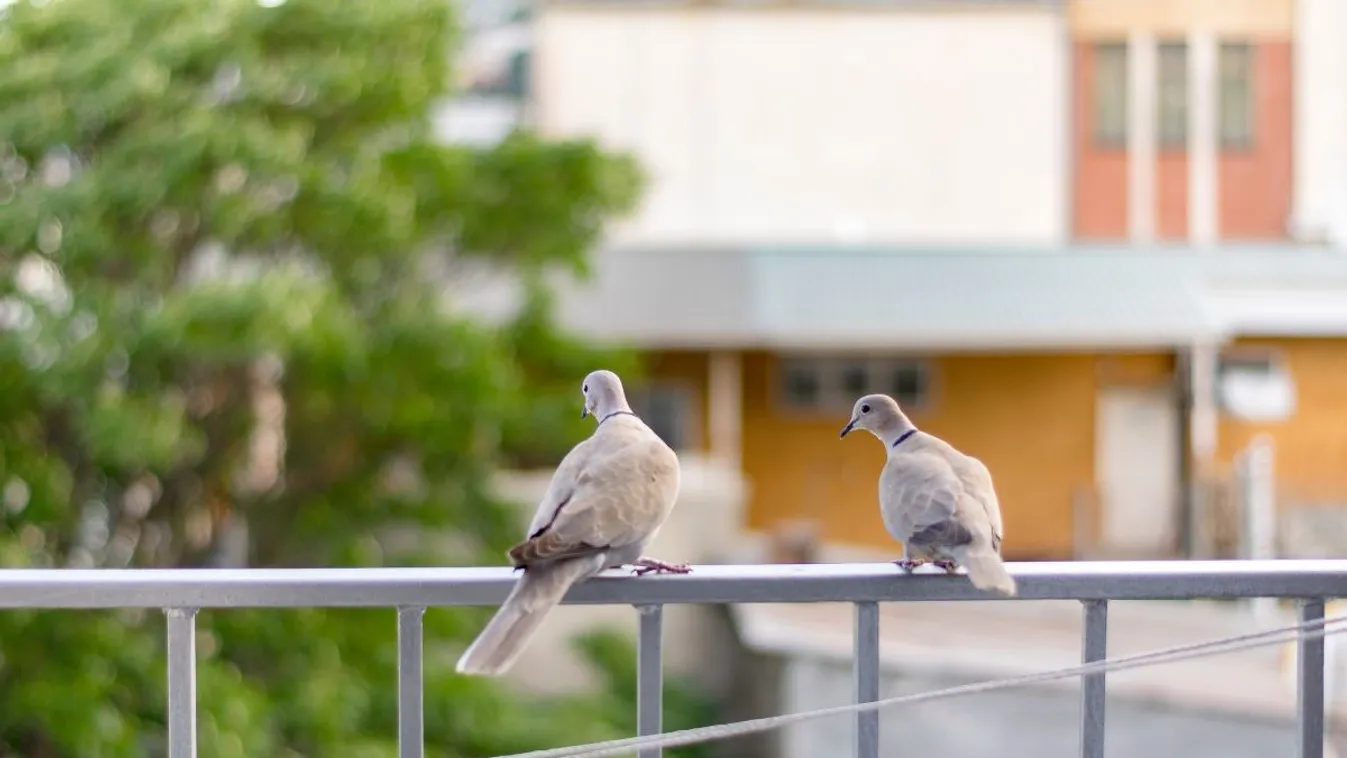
pixel 1137 450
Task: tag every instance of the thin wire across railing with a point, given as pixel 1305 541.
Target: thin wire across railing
pixel 1312 630
pixel 181 593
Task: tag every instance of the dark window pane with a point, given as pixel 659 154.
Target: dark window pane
pixel 907 384
pixel 1110 93
pixel 855 381
pixel 800 384
pixel 1172 93
pixel 666 410
pixel 1235 93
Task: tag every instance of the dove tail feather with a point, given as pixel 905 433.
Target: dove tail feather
pixel 535 594
pixel 988 572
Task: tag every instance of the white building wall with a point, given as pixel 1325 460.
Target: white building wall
pixel 1320 66
pixel 910 126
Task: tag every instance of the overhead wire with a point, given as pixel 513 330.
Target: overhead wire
pixel 1309 630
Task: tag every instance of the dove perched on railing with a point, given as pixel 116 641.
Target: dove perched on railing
pixel 934 499
pixel 607 499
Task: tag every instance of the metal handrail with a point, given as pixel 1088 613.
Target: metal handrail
pixel 182 592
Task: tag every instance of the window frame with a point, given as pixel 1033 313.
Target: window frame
pixel 834 399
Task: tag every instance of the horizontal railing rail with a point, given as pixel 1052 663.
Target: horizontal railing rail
pixel 182 592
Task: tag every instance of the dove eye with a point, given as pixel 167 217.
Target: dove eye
pixel 865 409
pixel 585 388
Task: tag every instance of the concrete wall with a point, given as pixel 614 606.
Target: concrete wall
pixel 875 124
pixel 1014 723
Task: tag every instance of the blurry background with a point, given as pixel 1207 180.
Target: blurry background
pixel 312 282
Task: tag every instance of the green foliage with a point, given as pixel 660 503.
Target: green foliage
pixel 223 225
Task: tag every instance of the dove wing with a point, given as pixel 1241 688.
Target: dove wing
pixel 977 482
pixel 619 497
pixel 921 500
pixel 561 487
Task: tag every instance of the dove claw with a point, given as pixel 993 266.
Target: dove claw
pixel 907 564
pixel 646 565
pixel 949 567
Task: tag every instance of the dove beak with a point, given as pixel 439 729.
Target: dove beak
pixel 584 412
pixel 846 429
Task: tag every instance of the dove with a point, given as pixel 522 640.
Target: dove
pixel 937 501
pixel 607 499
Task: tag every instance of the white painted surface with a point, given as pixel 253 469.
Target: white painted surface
pixel 1141 136
pixel 1320 123
pixel 1258 478
pixel 1282 310
pixel 724 407
pixel 1137 454
pixel 1202 138
pixel 916 125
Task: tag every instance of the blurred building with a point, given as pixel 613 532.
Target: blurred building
pixel 1095 243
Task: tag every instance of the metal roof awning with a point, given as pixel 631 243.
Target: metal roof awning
pixel 878 298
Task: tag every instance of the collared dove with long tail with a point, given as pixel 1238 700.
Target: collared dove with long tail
pixel 937 501
pixel 607 499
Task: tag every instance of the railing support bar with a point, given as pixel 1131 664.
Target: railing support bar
pixel 1310 683
pixel 411 718
pixel 181 682
pixel 1093 693
pixel 865 669
pixel 650 676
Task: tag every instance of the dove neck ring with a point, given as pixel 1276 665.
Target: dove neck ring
pixel 615 413
pixel 903 437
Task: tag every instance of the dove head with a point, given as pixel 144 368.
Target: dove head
pixel 880 416
pixel 603 395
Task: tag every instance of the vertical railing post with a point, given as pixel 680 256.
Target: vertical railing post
pixel 865 670
pixel 181 682
pixel 411 724
pixel 1310 682
pixel 1094 647
pixel 650 676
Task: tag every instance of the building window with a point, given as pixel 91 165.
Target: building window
pixel 832 385
pixel 1171 111
pixel 1235 94
pixel 1110 94
pixel 799 384
pixel 669 409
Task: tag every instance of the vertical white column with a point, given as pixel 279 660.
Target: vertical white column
pixel 1202 419
pixel 1202 139
pixel 1141 100
pixel 724 407
pixel 1319 117
pixel 1203 432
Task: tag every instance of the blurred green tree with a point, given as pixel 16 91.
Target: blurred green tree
pixel 226 230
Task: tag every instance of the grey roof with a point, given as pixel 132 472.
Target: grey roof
pixel 869 297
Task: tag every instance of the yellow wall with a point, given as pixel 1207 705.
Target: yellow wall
pixel 1029 417
pixel 1311 446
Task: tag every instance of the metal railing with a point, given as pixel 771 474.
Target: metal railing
pixel 181 593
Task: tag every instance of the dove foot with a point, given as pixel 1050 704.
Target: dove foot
pixel 908 565
pixel 949 567
pixel 646 565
